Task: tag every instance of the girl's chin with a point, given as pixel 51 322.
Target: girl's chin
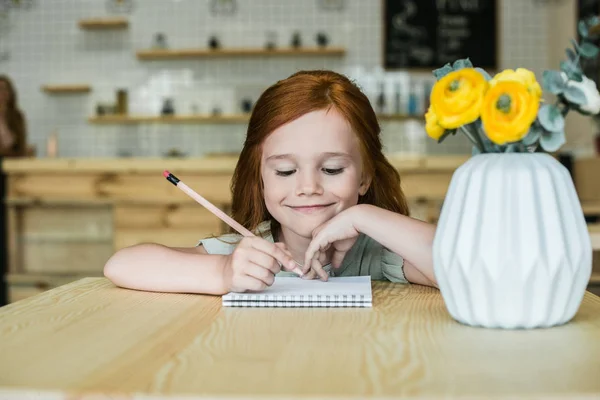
pixel 303 229
pixel 304 225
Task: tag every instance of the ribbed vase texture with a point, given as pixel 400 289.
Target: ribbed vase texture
pixel 512 249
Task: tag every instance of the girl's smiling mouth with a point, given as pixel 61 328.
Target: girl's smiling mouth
pixel 310 208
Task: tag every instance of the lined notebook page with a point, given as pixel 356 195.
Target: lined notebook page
pixel 350 291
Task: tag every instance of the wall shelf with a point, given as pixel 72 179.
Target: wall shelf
pixel 66 89
pixel 205 119
pixel 175 119
pixel 172 54
pixel 103 23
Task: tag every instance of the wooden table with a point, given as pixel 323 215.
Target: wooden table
pixel 91 340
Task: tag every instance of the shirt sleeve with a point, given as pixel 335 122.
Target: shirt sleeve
pixel 220 245
pixel 392 266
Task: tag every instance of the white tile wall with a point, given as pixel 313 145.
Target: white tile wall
pixel 46 46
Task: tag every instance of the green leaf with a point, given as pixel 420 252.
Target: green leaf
pixel 575 95
pixel 460 64
pixel 551 118
pixel 534 134
pixel 575 45
pixel 583 29
pixel 512 148
pixel 580 111
pixel 484 73
pixel 443 71
pixel 593 21
pixel 532 148
pixel 572 71
pixel 475 151
pixel 552 141
pixel 553 82
pixel 571 55
pixel 447 133
pixel 588 50
pixel 488 145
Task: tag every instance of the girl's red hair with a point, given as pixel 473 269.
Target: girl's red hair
pixel 291 98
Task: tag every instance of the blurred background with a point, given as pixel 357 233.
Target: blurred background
pixel 55 42
pixel 106 88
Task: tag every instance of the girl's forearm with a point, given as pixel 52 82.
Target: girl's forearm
pixel 408 237
pixel 154 267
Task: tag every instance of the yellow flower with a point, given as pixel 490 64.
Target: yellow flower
pixel 431 125
pixel 456 99
pixel 508 111
pixel 521 75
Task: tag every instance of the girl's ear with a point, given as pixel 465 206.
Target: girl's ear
pixel 364 185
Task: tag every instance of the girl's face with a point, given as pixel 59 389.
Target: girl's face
pixel 311 170
pixel 4 93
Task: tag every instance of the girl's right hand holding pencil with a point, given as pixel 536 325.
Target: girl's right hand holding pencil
pixel 254 263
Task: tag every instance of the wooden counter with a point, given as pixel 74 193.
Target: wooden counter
pixel 68 216
pixel 91 340
pixel 213 164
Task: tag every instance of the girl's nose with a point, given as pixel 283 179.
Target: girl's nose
pixel 308 184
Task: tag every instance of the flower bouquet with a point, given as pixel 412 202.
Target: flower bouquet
pixel 512 248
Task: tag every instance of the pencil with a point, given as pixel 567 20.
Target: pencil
pixel 213 209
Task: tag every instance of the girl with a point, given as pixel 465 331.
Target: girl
pixel 12 122
pixel 314 185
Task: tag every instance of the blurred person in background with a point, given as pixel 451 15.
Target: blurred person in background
pixel 13 131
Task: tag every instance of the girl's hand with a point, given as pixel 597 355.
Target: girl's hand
pixel 339 233
pixel 254 263
pixel 317 263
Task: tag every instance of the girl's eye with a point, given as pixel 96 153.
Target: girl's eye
pixel 333 171
pixel 285 173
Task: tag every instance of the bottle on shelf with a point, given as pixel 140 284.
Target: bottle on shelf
pixel 381 99
pixel 122 101
pixel 397 100
pixel 52 145
pixel 412 100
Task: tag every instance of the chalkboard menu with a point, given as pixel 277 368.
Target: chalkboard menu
pixel 430 33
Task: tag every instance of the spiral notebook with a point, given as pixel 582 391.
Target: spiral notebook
pixel 351 291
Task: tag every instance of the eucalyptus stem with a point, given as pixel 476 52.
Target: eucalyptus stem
pixel 478 138
pixel 475 139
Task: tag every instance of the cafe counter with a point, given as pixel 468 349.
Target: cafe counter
pixel 66 217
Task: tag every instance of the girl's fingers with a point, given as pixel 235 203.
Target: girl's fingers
pixel 245 282
pixel 264 260
pixel 275 251
pixel 318 268
pixel 297 269
pixel 259 272
pixel 310 275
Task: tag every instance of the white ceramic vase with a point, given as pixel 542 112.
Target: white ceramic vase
pixel 512 249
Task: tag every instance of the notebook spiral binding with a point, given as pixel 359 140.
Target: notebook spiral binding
pixel 297 304
pixel 341 298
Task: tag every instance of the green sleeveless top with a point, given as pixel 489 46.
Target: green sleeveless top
pixel 366 257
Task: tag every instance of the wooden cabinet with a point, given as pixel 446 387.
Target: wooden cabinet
pixel 169 224
pixel 67 217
